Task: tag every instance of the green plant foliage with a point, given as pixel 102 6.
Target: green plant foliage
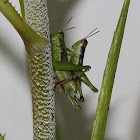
pixel 99 123
pixel 2 137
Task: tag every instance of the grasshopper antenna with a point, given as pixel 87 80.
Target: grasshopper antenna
pixel 93 34
pixel 90 34
pixel 68 29
pixel 66 23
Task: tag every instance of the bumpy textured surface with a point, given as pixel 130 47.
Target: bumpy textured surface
pixel 41 73
pixel 36 15
pixel 42 96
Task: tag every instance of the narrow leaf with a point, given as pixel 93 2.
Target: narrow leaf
pixel 99 123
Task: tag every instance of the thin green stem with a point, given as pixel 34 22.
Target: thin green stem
pixel 99 123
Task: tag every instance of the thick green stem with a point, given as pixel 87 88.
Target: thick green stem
pixel 41 72
pixel 99 123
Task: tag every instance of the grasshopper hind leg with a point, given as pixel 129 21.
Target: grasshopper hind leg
pixel 74 103
pixel 78 84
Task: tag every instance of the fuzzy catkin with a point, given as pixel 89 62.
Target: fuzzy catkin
pixel 41 73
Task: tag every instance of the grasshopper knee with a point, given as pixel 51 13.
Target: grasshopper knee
pixel 81 99
pixel 87 68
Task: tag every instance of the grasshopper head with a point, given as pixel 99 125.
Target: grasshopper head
pixel 84 42
pixel 60 33
pixel 56 37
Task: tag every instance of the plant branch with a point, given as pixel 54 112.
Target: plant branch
pixel 30 38
pixel 99 123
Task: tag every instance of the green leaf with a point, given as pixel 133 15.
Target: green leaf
pixel 99 123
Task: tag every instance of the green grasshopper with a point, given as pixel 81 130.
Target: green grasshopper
pixel 63 68
pixel 71 81
pixel 77 56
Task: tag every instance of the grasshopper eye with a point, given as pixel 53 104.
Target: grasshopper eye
pixel 60 33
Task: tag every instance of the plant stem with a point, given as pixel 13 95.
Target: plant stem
pixel 41 72
pixel 99 123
